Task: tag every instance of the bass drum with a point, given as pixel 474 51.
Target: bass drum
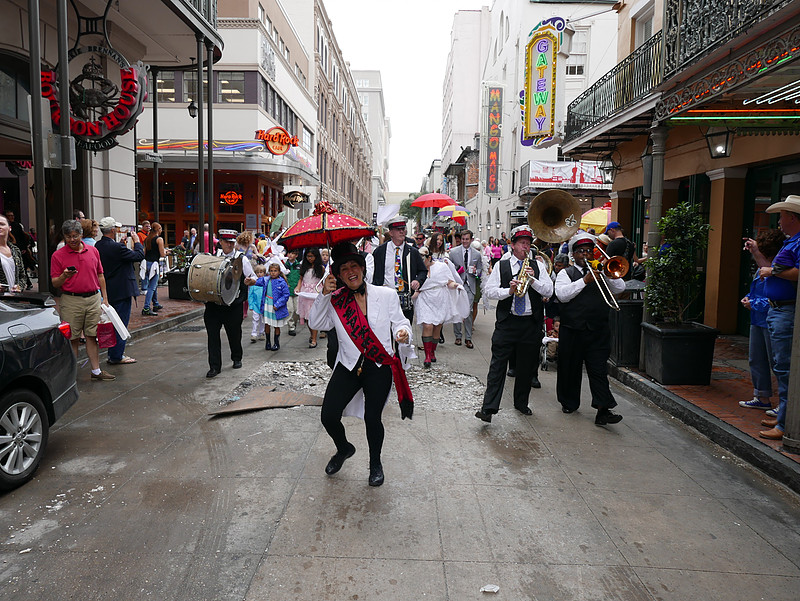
pixel 214 279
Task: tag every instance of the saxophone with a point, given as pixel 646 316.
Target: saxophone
pixel 523 279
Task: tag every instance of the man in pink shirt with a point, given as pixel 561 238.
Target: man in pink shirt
pixel 77 270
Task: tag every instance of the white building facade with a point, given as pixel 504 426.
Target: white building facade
pixel 503 67
pixel 373 111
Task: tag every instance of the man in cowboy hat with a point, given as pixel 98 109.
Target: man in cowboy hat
pixel 399 266
pixel 780 287
pixel 584 335
pixel 518 326
pixel 231 316
pixel 367 320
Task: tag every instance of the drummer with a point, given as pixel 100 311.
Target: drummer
pixel 230 316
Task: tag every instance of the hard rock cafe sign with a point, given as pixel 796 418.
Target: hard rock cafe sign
pixel 277 140
pixel 102 105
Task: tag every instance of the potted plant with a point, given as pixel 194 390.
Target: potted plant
pixel 677 350
pixel 177 276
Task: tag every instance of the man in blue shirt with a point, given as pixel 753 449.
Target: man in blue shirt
pixel 780 287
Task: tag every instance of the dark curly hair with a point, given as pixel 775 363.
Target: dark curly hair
pixel 770 242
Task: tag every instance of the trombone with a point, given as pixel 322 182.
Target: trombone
pixel 552 217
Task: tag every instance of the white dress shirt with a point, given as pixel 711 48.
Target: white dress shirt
pixel 247 267
pixel 566 289
pixel 383 314
pixel 543 285
pixel 388 269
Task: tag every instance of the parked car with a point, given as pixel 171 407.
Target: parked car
pixel 37 381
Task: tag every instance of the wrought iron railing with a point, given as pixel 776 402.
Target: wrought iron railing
pixel 695 28
pixel 207 8
pixel 631 80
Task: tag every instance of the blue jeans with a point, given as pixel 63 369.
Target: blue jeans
pixel 760 361
pixel 781 328
pixel 123 309
pixel 152 287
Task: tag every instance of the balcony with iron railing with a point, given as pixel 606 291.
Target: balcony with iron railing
pixel 206 8
pixel 627 83
pixel 696 28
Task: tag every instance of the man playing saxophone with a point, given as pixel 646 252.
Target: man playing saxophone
pixel 519 322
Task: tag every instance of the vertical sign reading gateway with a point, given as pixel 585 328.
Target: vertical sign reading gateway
pixel 541 54
pixel 494 115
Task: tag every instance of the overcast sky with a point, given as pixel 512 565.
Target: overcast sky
pixel 408 42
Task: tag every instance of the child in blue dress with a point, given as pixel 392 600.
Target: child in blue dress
pixel 273 304
pixel 255 298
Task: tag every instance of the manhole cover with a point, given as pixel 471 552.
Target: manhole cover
pixel 189 329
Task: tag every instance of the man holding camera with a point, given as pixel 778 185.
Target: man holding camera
pixel 118 261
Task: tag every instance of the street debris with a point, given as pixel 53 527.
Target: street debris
pixel 490 588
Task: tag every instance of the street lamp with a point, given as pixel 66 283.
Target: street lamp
pixel 498 225
pixel 720 142
pixel 609 169
pixel 192 108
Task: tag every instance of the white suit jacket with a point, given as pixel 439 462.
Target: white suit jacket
pixel 383 314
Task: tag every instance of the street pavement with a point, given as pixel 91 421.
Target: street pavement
pixel 142 495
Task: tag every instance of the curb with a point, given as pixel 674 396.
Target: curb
pixel 153 328
pixel 771 462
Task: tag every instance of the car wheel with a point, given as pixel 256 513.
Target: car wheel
pixel 24 428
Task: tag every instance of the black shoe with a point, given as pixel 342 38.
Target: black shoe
pixel 441 338
pixel 237 365
pixel 524 410
pixel 337 461
pixel 512 373
pixel 535 383
pixel 376 475
pixel 566 409
pixel 487 417
pixel 157 306
pixel 147 312
pixel 277 345
pixel 212 372
pixel 292 333
pixel 426 364
pixel 605 417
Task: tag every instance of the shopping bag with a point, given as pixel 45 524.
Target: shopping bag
pixel 106 336
pixel 113 318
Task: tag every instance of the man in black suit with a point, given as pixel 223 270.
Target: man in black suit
pixel 398 265
pixel 118 261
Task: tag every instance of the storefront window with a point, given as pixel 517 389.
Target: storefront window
pixel 166 86
pixel 230 198
pixel 230 86
pixel 190 199
pixel 166 197
pixel 13 87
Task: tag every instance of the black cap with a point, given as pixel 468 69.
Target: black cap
pixel 344 252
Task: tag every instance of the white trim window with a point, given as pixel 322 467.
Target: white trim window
pixel 578 56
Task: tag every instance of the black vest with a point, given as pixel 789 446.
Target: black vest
pixel 588 310
pixel 504 306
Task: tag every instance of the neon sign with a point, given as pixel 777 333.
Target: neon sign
pixel 494 117
pixel 230 197
pixel 541 66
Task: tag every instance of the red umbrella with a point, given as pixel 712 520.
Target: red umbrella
pixel 326 227
pixel 433 199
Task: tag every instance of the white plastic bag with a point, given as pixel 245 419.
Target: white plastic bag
pixel 113 317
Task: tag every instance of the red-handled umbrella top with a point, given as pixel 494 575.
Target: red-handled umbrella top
pixel 326 227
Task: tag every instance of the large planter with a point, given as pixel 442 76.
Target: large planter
pixel 178 286
pixel 626 332
pixel 679 354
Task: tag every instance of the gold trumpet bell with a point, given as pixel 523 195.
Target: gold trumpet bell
pixel 554 215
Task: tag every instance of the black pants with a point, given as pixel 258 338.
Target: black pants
pixel 342 387
pixel 576 348
pixel 333 347
pixel 231 317
pixel 520 335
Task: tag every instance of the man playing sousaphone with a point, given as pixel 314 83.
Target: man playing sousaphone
pixel 366 318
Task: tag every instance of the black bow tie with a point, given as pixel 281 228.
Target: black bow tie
pixel 362 289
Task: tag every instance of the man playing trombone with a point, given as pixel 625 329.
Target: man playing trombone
pixel 586 298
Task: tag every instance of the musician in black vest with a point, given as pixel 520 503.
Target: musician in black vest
pixel 518 326
pixel 584 337
pixel 231 316
pixel 398 265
